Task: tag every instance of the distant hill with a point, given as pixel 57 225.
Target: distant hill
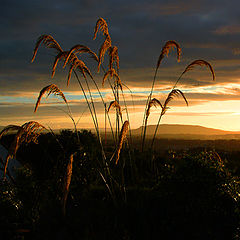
pixel 178 131
pixel 187 132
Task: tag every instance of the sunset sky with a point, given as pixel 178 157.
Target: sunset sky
pixel 208 30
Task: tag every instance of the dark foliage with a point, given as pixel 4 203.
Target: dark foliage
pixel 169 195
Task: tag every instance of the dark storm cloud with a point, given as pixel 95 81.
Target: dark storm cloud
pixel 139 28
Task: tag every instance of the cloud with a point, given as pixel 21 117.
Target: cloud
pixel 205 30
pixel 229 29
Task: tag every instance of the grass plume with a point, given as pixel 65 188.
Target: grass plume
pixel 170 97
pixel 116 105
pixel 62 56
pixel 81 67
pixel 49 42
pixel 78 49
pixel 114 58
pixel 50 89
pixel 66 183
pixel 122 137
pixel 193 64
pixel 112 73
pixel 26 133
pixel 199 63
pixel 153 102
pixel 165 51
pixel 101 25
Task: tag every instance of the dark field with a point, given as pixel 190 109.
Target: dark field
pixel 186 189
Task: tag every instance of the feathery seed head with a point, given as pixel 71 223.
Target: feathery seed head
pixel 122 137
pixel 199 63
pixel 50 89
pixel 151 103
pixel 116 105
pixel 66 183
pixel 26 133
pixel 112 74
pixel 48 41
pixel 78 49
pixel 101 25
pixel 165 51
pixel 171 95
pixel 113 53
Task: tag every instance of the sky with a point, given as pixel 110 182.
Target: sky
pixel 208 30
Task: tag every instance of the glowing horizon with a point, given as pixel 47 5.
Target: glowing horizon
pixel 200 29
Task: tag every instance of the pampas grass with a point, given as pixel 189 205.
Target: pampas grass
pixel 26 133
pixel 112 73
pixel 199 63
pixel 72 58
pixel 66 183
pixel 153 102
pixel 170 97
pixel 102 26
pixel 164 52
pixel 122 137
pixel 192 65
pixel 50 89
pixel 78 49
pixel 114 58
pixel 75 63
pixel 116 105
pixel 49 42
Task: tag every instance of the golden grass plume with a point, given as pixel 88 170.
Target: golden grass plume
pixel 113 53
pixel 80 65
pixel 199 63
pixel 62 56
pixel 101 25
pixel 171 95
pixel 116 105
pixel 112 74
pixel 105 46
pixel 78 49
pixel 66 183
pixel 48 41
pixel 26 133
pixel 165 51
pixel 151 103
pixel 50 89
pixel 122 137
pixel 9 128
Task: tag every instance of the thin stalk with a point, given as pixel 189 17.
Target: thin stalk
pixel 148 100
pixel 99 92
pixel 57 140
pixel 116 137
pixel 117 117
pixel 159 119
pixel 105 123
pixel 130 132
pixel 177 81
pixel 80 116
pixel 144 134
pixel 97 130
pixel 109 189
pixel 156 130
pixel 131 94
pixel 69 113
pixel 93 105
